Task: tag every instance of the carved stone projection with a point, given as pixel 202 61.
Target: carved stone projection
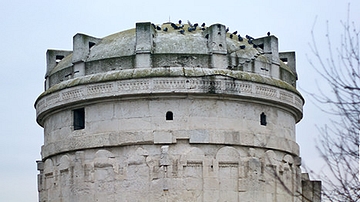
pixel 171 112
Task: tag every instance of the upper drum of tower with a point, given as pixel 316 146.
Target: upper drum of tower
pixel 193 59
pixel 173 45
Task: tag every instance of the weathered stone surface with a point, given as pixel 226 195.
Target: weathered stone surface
pixel 154 115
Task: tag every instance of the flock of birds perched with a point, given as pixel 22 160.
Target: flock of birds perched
pixel 193 27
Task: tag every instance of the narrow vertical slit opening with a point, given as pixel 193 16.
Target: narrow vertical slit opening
pixel 263 119
pixel 79 119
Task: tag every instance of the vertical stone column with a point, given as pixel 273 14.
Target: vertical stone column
pixel 40 168
pixel 144 44
pixel 53 57
pixel 216 35
pixel 81 48
pixel 289 59
pixel 271 50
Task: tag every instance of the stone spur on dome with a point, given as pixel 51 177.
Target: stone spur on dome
pixel 171 112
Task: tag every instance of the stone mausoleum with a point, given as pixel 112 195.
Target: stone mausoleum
pixel 171 112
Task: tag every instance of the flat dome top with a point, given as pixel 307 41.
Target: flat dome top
pixel 183 39
pixel 166 42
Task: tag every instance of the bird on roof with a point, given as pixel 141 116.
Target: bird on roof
pixel 191 25
pixel 196 24
pixel 227 29
pixel 182 31
pixel 234 33
pixel 180 22
pixel 203 24
pixel 231 36
pixel 190 29
pixel 249 37
pixel 268 33
pixel 174 26
pixel 165 29
pixel 242 47
pixel 158 27
pixel 240 38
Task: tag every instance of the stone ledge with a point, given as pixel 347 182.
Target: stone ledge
pixel 113 139
pixel 219 85
pixel 167 72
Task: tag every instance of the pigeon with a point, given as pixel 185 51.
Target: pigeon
pixel 191 25
pixel 240 38
pixel 249 37
pixel 182 31
pixel 158 27
pixel 242 47
pixel 174 26
pixel 227 29
pixel 179 22
pixel 203 24
pixel 190 29
pixel 231 36
pixel 268 33
pixel 234 33
pixel 165 29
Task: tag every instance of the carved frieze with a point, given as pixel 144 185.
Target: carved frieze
pixel 200 85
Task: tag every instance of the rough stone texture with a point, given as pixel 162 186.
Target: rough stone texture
pixel 231 133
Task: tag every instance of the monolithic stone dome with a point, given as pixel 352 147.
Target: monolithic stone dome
pixel 175 112
pixel 169 42
pixel 171 47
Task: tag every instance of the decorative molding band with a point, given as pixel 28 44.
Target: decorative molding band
pixel 215 85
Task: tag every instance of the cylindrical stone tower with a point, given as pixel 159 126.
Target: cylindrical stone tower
pixel 171 112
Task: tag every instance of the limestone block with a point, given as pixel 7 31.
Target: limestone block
pixel 231 137
pixel 162 137
pixel 199 136
pixel 217 137
pixel 143 60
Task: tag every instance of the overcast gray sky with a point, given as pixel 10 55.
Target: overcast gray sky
pixel 29 28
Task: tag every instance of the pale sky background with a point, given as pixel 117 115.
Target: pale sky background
pixel 29 28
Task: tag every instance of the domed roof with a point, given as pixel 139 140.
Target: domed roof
pixel 183 39
pixel 167 40
pixel 156 50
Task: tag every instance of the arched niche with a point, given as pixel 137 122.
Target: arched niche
pixel 228 155
pixel 64 163
pixel 228 159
